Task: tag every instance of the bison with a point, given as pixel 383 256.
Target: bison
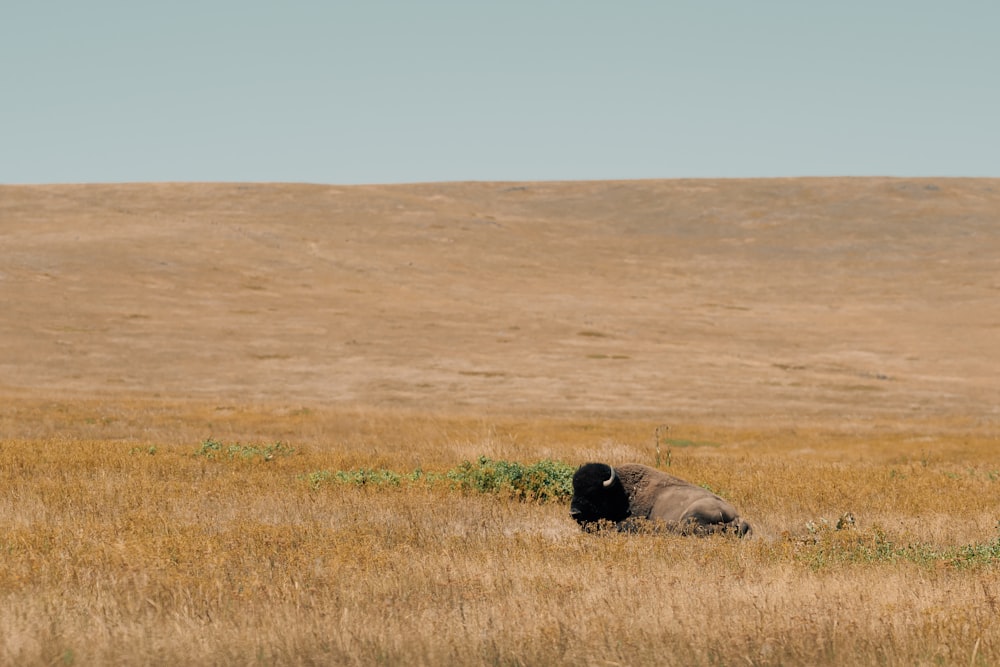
pixel 633 494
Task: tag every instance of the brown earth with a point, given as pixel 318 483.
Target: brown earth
pixel 798 301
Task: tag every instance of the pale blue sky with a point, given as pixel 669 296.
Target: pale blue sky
pixel 385 92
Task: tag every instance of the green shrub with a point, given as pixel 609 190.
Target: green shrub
pixel 545 480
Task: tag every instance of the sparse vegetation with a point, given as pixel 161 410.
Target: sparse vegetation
pixel 212 449
pixel 543 481
pixel 356 477
pixel 334 556
pixel 828 546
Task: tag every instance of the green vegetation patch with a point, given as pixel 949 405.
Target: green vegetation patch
pixel 545 480
pixel 827 547
pixel 358 477
pixel 214 449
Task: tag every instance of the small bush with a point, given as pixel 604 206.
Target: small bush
pixel 545 480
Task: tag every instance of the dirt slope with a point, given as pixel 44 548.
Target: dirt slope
pixel 759 300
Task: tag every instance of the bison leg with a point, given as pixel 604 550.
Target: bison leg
pixel 710 515
pixel 708 511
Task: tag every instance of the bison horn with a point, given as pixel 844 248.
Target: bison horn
pixel 610 480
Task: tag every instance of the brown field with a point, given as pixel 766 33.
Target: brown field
pixel 817 346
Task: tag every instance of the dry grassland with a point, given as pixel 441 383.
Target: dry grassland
pixel 131 551
pixel 819 348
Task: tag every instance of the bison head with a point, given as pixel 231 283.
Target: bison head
pixel 598 494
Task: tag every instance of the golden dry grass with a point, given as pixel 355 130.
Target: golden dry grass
pixel 116 553
pixel 791 300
